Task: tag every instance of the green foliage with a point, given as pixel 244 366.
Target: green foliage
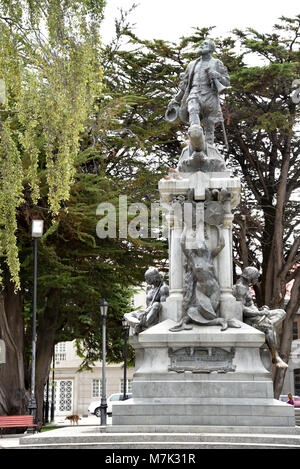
pixel 50 63
pixel 262 124
pixel 10 198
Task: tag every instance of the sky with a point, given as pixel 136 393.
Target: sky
pixel 171 19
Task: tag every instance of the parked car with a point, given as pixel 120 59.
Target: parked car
pixel 94 407
pixel 284 398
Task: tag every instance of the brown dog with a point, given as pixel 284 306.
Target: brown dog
pixel 73 418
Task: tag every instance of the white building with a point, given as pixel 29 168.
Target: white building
pixel 292 377
pixel 74 390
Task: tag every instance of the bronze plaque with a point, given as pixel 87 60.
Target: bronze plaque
pixel 201 359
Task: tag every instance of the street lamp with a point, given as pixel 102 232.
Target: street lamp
pixel 103 406
pixel 126 329
pixel 52 387
pixel 37 232
pixel 46 405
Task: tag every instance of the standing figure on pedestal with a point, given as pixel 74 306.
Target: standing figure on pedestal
pixel 262 319
pixel 198 98
pixel 157 293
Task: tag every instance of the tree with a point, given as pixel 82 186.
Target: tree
pixel 50 66
pixel 263 135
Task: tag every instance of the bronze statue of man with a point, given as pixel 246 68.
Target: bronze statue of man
pixel 198 98
pixel 263 319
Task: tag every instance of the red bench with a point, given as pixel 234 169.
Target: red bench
pixel 14 421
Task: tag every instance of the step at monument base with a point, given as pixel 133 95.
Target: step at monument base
pixel 164 437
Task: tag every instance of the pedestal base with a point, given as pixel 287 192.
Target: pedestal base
pixel 201 377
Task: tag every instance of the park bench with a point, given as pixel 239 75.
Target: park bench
pixel 14 421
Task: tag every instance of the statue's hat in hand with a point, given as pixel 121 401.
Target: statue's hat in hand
pixel 171 114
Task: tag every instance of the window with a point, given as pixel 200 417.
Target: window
pixel 96 388
pixel 60 352
pixel 128 385
pixel 115 398
pixel 297 381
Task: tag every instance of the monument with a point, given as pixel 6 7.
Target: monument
pixel 200 344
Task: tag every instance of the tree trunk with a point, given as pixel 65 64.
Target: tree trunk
pixel 13 396
pixel 287 335
pixel 46 331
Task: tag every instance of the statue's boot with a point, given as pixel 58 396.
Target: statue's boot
pixel 197 138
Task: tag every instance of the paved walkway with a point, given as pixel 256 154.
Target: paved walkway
pixel 13 440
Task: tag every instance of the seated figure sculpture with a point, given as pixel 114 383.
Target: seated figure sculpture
pixel 157 293
pixel 262 319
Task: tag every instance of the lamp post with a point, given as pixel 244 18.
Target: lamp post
pixel 103 406
pixel 46 405
pixel 52 386
pixel 126 329
pixel 37 232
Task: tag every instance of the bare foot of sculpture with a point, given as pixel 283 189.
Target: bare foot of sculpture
pixel 182 326
pixel 279 363
pixel 234 323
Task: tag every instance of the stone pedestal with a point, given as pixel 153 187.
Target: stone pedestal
pixel 201 377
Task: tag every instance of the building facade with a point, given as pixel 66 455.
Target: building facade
pixel 73 390
pixel 292 377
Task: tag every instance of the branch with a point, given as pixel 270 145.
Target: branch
pixel 295 38
pixel 293 274
pixel 254 164
pixel 292 257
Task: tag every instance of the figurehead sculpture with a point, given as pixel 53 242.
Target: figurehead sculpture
pixel 157 293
